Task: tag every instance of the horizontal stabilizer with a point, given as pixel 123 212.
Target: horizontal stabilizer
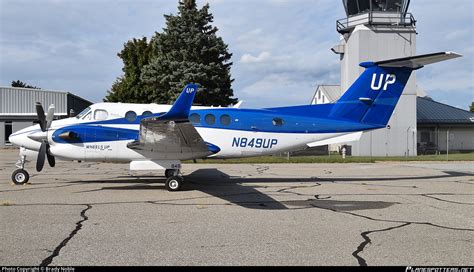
pixel 351 137
pixel 416 62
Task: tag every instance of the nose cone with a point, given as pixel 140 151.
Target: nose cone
pixel 20 138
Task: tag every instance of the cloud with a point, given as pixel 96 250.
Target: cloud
pixel 248 58
pixel 281 48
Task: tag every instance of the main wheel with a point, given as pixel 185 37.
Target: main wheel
pixel 20 177
pixel 171 172
pixel 174 183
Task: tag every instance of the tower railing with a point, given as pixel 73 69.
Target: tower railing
pixel 391 19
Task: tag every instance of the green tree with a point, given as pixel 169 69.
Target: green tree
pixel 21 84
pixel 471 108
pixel 188 50
pixel 130 87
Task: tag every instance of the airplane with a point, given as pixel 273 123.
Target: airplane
pixel 153 137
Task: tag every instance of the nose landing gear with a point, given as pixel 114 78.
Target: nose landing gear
pixel 20 176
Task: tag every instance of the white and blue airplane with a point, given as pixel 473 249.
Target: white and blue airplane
pixel 158 137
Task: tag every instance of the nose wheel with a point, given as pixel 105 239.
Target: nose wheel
pixel 20 177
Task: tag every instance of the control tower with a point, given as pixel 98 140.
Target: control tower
pixel 375 30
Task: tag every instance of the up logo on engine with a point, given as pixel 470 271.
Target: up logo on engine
pixel 383 80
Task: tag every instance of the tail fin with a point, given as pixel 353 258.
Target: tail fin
pixel 373 96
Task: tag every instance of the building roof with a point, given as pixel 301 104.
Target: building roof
pixel 21 101
pixel 332 92
pixel 429 111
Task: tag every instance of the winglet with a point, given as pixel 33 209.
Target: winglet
pixel 180 108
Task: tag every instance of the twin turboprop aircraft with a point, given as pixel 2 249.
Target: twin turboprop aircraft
pixel 158 137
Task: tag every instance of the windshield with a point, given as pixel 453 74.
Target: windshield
pixel 82 113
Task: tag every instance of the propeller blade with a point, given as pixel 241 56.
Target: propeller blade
pixel 49 156
pixel 51 159
pixel 50 116
pixel 41 117
pixel 41 157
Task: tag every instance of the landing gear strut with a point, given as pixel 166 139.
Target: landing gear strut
pixel 20 176
pixel 174 180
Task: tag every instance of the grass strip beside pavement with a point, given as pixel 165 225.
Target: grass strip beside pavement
pixel 337 159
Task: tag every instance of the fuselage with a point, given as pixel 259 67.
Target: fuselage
pixel 105 129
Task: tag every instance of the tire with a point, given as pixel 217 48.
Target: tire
pixel 20 177
pixel 174 183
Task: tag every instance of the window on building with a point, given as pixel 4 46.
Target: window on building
pixel 195 118
pixel 8 131
pixel 277 122
pixel 131 116
pixel 210 119
pixel 147 114
pixel 101 115
pixel 319 94
pixel 225 120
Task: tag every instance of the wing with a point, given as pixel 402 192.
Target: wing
pixel 171 136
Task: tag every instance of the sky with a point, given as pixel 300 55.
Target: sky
pixel 281 48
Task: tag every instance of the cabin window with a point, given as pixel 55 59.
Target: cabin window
pixel 101 115
pixel 131 116
pixel 146 114
pixel 195 118
pixel 83 112
pixel 277 122
pixel 210 119
pixel 225 120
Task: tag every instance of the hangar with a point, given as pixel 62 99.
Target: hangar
pixel 17 107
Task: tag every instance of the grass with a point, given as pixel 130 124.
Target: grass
pixel 338 159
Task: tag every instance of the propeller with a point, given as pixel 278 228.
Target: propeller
pixel 45 123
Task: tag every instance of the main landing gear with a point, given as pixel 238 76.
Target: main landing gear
pixel 20 176
pixel 174 180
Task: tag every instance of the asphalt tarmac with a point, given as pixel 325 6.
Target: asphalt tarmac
pixel 398 213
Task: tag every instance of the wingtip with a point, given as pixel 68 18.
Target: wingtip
pixel 454 54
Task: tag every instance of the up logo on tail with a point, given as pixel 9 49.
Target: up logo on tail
pixel 189 90
pixel 389 79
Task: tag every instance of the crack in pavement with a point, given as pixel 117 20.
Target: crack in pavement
pixel 61 245
pixel 444 200
pixel 286 189
pixel 365 235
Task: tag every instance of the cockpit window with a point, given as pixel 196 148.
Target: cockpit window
pixel 87 116
pixel 101 115
pixel 82 113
